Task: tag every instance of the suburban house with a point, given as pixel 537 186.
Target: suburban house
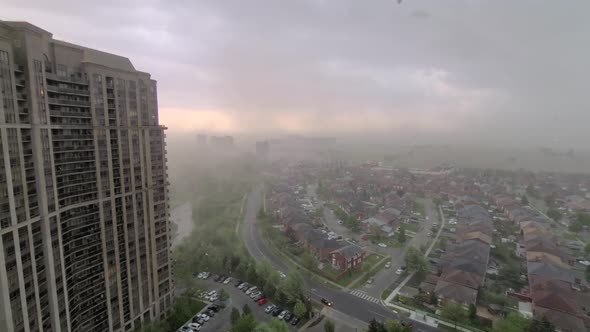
pixel 349 257
pixel 463 268
pixel 313 240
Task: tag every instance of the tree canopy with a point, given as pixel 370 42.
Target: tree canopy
pixel 415 261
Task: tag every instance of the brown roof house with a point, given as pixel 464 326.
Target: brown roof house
pixel 348 258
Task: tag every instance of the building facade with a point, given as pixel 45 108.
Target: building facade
pixel 84 234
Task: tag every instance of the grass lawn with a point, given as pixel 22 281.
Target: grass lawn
pixel 370 261
pixel 364 279
pixel 386 293
pixel 411 227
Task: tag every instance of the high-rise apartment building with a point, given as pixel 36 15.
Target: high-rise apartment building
pixel 84 237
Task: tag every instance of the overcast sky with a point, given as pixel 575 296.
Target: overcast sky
pixel 497 72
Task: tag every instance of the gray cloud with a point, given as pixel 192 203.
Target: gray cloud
pixel 502 72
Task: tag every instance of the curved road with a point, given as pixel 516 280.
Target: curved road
pixel 344 302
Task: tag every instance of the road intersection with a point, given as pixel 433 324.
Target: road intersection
pixel 363 309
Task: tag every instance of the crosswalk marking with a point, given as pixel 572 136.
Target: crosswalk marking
pixel 365 296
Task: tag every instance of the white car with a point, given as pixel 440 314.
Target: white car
pixel 226 281
pixel 254 294
pixel 282 314
pixel 340 222
pixel 204 317
pixel 387 265
pixel 250 290
pixel 585 263
pixel 283 275
pixel 214 298
pixel 194 326
pixel 382 245
pixel 399 271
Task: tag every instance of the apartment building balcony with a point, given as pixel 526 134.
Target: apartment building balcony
pixel 68 102
pixel 70 91
pixel 75 80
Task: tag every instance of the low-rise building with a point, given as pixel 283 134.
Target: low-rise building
pixel 349 257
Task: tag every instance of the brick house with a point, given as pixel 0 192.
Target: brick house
pixel 348 258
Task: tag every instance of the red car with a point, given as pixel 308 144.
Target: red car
pixel 262 301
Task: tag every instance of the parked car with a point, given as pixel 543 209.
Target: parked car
pixel 243 285
pixel 270 308
pixel 288 316
pixel 295 321
pixel 222 278
pixel 194 326
pixel 238 283
pixel 204 317
pixel 282 314
pixel 227 281
pixel 250 290
pixel 399 271
pixel 185 329
pixel 370 280
pixel 216 277
pixel 277 311
pixel 254 294
pixel 387 265
pixel 214 298
pixel 262 300
pixel 326 302
pixel 282 274
pixel 213 307
pixel 210 313
pixel 382 245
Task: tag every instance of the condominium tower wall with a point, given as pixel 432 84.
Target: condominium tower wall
pixel 84 233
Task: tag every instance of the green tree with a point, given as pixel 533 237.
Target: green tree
pixel 514 322
pixel 329 326
pixel 234 316
pixel 246 323
pixel 223 295
pixel 246 310
pixel 454 312
pixel 293 286
pixel 554 214
pixel 524 200
pixel 472 314
pixel 415 261
pixel 542 325
pixel 395 326
pixel 375 326
pixel 308 261
pixel 299 309
pixel 433 298
pixel 401 237
pixel 275 325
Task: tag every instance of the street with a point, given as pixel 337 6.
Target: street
pixel 384 278
pixel 344 302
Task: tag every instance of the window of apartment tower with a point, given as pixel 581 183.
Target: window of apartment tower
pixel 62 71
pixel 4 57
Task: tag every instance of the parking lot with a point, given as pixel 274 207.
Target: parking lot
pixel 237 299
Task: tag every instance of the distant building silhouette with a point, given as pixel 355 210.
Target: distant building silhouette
pixel 262 148
pixel 221 141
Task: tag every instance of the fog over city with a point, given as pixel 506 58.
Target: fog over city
pixel 497 72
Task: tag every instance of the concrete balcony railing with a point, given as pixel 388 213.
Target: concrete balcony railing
pixel 58 89
pixel 63 101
